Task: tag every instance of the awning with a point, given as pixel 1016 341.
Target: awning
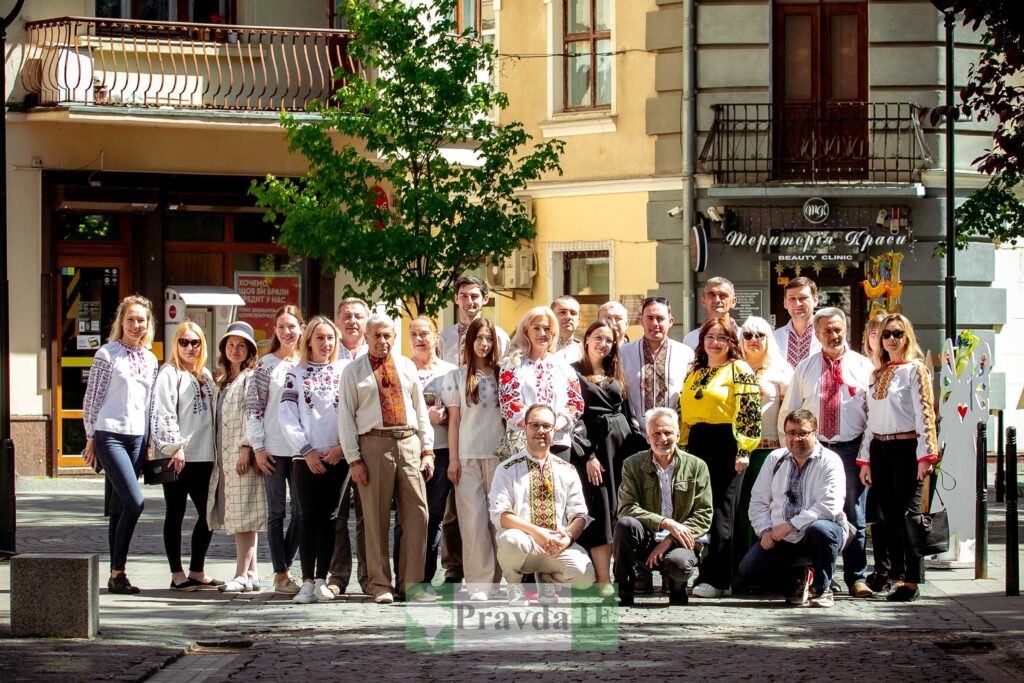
pixel 195 295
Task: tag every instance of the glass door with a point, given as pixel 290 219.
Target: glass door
pixel 89 289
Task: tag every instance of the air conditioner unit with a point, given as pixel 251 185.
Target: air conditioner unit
pixel 516 272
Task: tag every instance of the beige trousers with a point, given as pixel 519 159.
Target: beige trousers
pixel 393 468
pixel 479 550
pixel 519 554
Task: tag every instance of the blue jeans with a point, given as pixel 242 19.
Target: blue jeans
pixel 780 566
pixel 283 543
pixel 438 488
pixel 855 555
pixel 121 458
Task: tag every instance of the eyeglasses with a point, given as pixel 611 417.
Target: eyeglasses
pixel 653 300
pixel 540 426
pixel 798 435
pixel 194 343
pixel 751 336
pixel 717 339
pixel 893 334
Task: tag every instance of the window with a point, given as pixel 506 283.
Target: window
pixel 586 275
pixel 196 11
pixel 479 16
pixel 587 60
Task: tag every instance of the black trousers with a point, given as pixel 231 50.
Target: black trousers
pixel 193 482
pixel 318 496
pixel 716 446
pixel 895 483
pixel 632 544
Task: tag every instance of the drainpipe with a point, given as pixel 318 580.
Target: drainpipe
pixel 688 133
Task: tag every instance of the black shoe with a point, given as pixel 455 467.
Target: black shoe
pixel 626 600
pixel 678 598
pixel 879 583
pixel 644 584
pixel 120 585
pixel 903 594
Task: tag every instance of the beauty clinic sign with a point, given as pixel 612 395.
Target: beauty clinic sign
pixel 264 293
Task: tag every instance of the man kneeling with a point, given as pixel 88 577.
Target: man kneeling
pixel 796 507
pixel 664 506
pixel 537 506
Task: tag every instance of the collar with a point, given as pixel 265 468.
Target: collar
pixel 665 470
pixel 377 362
pixel 529 456
pixel 815 453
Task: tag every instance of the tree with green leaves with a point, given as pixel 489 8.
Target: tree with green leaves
pixel 994 91
pixel 380 198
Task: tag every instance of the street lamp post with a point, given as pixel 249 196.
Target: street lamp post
pixel 7 502
pixel 948 9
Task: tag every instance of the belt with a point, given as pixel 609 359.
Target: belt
pixel 840 443
pixel 397 433
pixel 899 436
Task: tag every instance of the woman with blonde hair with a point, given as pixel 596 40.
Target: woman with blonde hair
pixel 900 447
pixel 183 430
pixel 308 414
pixel 238 499
pixel 878 580
pixel 263 430
pixel 116 409
pixel 531 373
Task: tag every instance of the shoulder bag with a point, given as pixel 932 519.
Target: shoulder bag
pixel 928 532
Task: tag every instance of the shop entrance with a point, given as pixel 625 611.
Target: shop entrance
pixel 841 289
pixel 89 289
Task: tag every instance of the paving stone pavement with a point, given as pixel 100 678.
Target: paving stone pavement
pixel 961 629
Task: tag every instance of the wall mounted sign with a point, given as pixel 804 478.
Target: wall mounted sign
pixel 264 293
pixel 748 302
pixel 816 210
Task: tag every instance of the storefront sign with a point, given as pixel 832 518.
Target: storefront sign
pixel 748 302
pixel 816 210
pixel 810 243
pixel 264 293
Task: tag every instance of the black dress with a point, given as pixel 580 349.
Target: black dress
pixel 611 436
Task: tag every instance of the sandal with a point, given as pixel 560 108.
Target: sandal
pixel 236 585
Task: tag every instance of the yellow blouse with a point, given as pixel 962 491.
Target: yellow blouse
pixel 726 395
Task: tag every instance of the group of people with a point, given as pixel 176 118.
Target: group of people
pixel 538 455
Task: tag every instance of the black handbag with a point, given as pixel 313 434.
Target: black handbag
pixel 159 471
pixel 928 532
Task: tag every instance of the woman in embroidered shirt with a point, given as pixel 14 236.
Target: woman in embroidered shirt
pixel 720 409
pixel 774 374
pixel 183 401
pixel 263 430
pixel 238 499
pixel 609 425
pixel 116 408
pixel 878 580
pixel 308 413
pixel 900 447
pixel 431 371
pixel 474 432
pixel 531 373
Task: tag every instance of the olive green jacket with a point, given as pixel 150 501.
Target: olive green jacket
pixel 640 492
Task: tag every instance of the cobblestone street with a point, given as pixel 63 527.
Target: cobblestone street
pixel 961 629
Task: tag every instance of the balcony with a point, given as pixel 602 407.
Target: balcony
pixel 850 143
pixel 120 63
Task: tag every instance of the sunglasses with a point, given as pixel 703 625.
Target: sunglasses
pixel 653 300
pixel 750 336
pixel 893 334
pixel 194 343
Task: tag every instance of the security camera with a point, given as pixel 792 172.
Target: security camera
pixel 675 212
pixel 716 213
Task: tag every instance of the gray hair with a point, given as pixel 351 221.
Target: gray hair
pixel 378 319
pixel 657 413
pixel 719 281
pixel 348 301
pixel 608 305
pixel 829 312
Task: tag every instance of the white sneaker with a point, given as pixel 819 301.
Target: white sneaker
pixel 516 596
pixel 307 594
pixel 706 590
pixel 548 594
pixel 479 596
pixel 384 598
pixel 323 593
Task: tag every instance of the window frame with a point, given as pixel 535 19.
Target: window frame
pixel 592 37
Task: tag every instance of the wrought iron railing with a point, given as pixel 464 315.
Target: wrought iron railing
pixel 840 143
pixel 114 62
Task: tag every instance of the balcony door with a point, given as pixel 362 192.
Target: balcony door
pixel 820 90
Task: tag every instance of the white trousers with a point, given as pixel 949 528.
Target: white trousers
pixel 479 550
pixel 519 554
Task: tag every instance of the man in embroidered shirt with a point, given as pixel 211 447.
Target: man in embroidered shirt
pixel 796 508
pixel 718 299
pixel 567 311
pixel 387 439
pixel 796 338
pixel 537 507
pixel 471 295
pixel 664 507
pixel 832 385
pixel 616 315
pixel 351 320
pixel 654 366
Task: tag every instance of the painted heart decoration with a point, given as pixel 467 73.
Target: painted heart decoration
pixel 961 408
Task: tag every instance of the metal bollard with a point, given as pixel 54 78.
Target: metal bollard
pixel 981 505
pixel 1000 459
pixel 1012 539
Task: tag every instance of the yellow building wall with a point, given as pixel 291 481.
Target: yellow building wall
pixel 627 152
pixel 620 219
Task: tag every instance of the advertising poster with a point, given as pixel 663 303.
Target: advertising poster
pixel 264 293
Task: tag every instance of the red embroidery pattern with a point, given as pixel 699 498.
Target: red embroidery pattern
pixel 799 345
pixel 831 378
pixel 392 400
pixel 542 495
